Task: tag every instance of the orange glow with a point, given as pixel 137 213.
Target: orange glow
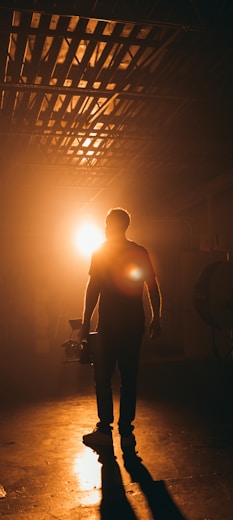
pixel 128 275
pixel 87 470
pixel 88 238
pixel 134 272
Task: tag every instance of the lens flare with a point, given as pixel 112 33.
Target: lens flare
pixel 134 272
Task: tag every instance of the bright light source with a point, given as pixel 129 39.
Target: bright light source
pixel 88 238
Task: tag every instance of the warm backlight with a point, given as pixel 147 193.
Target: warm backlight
pixel 88 238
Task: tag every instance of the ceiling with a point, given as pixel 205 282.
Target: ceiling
pixel 136 96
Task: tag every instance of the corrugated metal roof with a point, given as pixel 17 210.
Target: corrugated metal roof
pixel 100 90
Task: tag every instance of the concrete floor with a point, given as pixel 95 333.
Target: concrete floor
pixel 183 468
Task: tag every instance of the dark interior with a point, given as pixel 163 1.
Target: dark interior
pixel 116 104
pixel 109 104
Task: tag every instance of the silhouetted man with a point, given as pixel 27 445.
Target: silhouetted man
pixel 119 270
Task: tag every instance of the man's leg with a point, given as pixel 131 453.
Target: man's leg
pixel 104 364
pixel 128 360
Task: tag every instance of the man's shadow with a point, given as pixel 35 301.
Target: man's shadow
pixel 159 500
pixel 114 503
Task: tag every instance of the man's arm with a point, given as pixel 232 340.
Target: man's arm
pixel 155 300
pixel 90 301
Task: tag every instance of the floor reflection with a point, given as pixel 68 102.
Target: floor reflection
pixel 88 476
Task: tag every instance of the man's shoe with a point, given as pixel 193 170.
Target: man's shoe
pixel 97 438
pixel 128 442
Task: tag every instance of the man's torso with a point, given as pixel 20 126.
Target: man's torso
pixel 120 270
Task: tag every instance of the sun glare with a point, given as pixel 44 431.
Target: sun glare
pixel 88 238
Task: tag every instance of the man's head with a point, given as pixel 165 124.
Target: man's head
pixel 116 223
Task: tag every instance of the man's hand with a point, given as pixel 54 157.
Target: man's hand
pixel 85 329
pixel 155 328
